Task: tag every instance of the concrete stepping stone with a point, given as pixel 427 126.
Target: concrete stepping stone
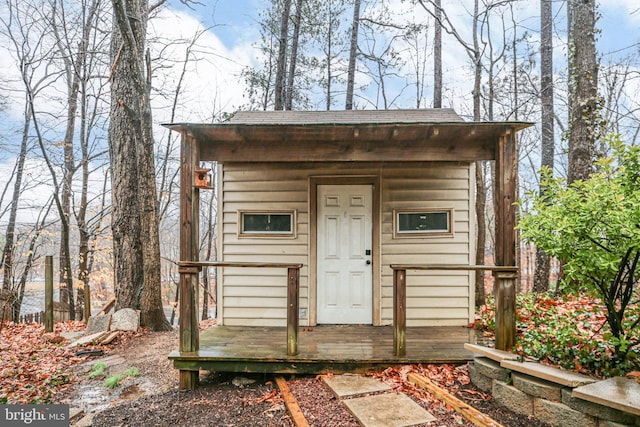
pixel 352 385
pixel 618 393
pixel 388 410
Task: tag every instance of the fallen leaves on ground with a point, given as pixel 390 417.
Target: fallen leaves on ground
pixel 34 365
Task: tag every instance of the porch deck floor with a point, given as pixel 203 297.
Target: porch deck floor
pixel 321 349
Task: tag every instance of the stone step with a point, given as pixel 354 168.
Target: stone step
pixel 388 409
pixel 353 385
pixel 490 353
pixel 618 393
pixel 549 373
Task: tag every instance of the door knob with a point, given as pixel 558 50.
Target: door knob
pixel 368 262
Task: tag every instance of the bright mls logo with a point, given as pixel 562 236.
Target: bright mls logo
pixel 34 415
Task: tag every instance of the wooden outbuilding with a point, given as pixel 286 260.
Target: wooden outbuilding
pixel 354 226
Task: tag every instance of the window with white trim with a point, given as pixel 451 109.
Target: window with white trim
pixel 267 223
pixel 422 222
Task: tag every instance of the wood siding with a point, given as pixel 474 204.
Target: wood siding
pixel 255 297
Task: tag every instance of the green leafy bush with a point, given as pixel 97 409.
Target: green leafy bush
pixel 570 332
pixel 593 227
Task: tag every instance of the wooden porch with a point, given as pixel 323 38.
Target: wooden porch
pixel 321 349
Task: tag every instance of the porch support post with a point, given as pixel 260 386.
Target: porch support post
pixel 399 312
pixel 293 289
pixel 189 201
pixel 504 285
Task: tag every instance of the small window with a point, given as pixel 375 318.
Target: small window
pixel 269 223
pixel 420 223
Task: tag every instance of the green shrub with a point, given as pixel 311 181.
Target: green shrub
pixel 593 227
pixel 570 332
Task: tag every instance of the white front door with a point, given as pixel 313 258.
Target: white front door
pixel 344 288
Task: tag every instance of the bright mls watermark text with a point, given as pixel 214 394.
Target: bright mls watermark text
pixel 34 415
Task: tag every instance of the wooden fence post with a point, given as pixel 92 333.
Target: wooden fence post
pixel 87 302
pixel 48 294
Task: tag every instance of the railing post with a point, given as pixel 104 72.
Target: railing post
pixel 399 312
pixel 505 295
pixel 293 289
pixel 48 293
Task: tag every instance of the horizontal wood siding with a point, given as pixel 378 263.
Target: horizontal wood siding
pixel 257 297
pixel 434 298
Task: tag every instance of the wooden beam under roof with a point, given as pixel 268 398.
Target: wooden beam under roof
pixel 455 141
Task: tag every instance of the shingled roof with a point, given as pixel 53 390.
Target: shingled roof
pixel 431 115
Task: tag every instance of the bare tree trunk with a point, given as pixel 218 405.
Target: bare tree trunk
pixel 125 210
pixel 583 89
pixel 7 253
pixel 481 192
pixel 73 86
pixel 282 56
pixel 353 52
pixel 437 55
pixel 294 56
pixel 541 275
pixel 135 207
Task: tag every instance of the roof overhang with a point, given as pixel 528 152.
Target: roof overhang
pixel 318 142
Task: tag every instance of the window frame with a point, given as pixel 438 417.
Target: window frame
pixel 401 234
pixel 268 234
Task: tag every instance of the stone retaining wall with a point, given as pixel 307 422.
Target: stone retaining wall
pixel 547 401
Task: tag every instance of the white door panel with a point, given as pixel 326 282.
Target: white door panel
pixel 344 268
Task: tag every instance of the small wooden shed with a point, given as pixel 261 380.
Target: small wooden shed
pixel 347 201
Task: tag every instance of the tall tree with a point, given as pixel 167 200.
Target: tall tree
pixel 584 122
pixel 437 55
pixel 293 61
pixel 353 52
pixel 541 275
pixel 281 64
pixel 135 210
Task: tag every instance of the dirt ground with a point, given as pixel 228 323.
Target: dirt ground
pixel 152 398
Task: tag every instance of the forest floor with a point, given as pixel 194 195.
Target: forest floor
pixel 51 371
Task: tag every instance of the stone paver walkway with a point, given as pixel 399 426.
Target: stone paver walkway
pixel 388 409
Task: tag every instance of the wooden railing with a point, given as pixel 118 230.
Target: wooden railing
pixel 293 292
pixel 400 294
